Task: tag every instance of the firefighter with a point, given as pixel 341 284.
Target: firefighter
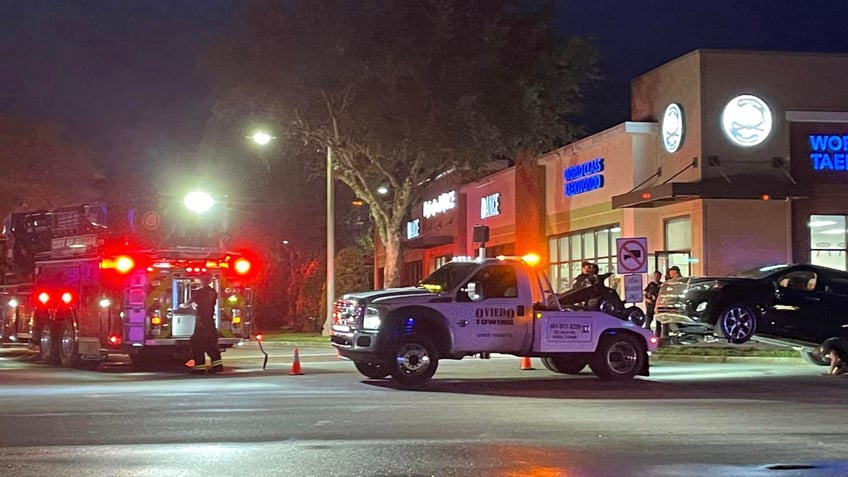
pixel 205 338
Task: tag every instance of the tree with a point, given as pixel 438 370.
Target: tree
pixel 401 91
pixel 42 168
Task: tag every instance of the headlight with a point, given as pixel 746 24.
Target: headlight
pixel 705 286
pixel 701 306
pixel 371 320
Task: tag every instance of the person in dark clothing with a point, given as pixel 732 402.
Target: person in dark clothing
pixel 837 350
pixel 587 276
pixel 651 292
pixel 205 338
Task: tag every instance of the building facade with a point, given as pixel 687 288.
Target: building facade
pixel 731 160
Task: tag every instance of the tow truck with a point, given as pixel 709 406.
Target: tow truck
pixel 480 306
pixel 79 290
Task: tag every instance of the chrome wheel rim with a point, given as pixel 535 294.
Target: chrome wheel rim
pixel 68 341
pixel 738 322
pixel 622 357
pixel 45 341
pixel 412 358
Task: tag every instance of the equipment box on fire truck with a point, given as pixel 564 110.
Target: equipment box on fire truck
pixel 482 306
pixel 79 291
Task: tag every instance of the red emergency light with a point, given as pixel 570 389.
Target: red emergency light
pixel 114 339
pixel 242 266
pixel 67 298
pixel 122 264
pixel 44 297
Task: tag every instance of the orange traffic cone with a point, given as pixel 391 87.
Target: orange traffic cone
pixel 526 365
pixel 296 364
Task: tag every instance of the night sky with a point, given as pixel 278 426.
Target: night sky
pixel 124 76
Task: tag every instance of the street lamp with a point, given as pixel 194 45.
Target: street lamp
pixel 263 138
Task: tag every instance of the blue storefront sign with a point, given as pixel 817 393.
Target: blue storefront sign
pixel 583 177
pixel 827 152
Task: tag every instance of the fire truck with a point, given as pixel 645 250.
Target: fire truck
pixel 79 290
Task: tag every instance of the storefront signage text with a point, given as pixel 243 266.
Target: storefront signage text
pixel 584 177
pixel 828 151
pixel 490 205
pixel 413 229
pixel 440 204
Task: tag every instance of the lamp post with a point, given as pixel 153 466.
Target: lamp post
pixel 262 138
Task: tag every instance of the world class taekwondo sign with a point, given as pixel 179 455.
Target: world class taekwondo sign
pixel 828 152
pixel 584 177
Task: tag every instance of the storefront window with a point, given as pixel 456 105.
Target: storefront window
pixel 440 261
pixel 569 250
pixel 412 273
pixel 678 244
pixel 827 241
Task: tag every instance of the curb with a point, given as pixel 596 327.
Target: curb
pixel 688 358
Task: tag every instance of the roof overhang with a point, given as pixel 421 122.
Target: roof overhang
pixel 428 241
pixel 674 192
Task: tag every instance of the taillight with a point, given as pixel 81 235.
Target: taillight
pixel 114 339
pixel 67 298
pixel 242 266
pixel 43 297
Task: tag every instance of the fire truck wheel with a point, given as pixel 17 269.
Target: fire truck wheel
pixel 68 345
pixel 372 370
pixel 618 357
pixel 565 364
pixel 413 360
pixel 48 344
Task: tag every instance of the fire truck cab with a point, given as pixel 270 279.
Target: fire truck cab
pixel 80 293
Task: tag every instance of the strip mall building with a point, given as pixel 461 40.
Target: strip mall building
pixel 732 160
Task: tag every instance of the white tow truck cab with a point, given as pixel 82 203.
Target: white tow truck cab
pixel 478 307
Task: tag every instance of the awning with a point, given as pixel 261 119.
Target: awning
pixel 428 241
pixel 665 194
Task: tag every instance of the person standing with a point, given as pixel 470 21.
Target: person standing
pixel 651 293
pixel 205 338
pixel 673 272
pixel 586 278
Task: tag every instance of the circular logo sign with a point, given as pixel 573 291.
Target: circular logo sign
pixel 672 127
pixel 746 120
pixel 150 220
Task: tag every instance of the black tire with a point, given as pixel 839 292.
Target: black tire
pixel 737 323
pixel 618 357
pixel 607 305
pixel 68 345
pixel 815 357
pixel 413 360
pixel 565 363
pixel 372 370
pixel 48 344
pixel 635 315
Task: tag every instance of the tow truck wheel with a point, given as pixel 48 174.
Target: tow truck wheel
pixel 413 360
pixel 68 347
pixel 565 364
pixel 48 344
pixel 372 370
pixel 618 357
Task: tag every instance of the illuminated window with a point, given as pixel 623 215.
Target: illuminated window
pixel 677 237
pixel 827 241
pixel 568 251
